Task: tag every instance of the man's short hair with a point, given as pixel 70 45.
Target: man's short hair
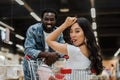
pixel 49 10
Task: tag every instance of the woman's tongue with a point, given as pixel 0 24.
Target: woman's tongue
pixel 74 40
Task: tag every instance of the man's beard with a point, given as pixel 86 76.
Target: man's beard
pixel 48 29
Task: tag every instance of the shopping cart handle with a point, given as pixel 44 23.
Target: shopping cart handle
pixel 66 71
pixel 27 57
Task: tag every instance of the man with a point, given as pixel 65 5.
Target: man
pixel 35 45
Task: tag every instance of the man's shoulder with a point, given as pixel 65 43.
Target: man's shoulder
pixel 35 26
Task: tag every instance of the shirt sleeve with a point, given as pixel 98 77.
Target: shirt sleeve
pixel 73 51
pixel 30 44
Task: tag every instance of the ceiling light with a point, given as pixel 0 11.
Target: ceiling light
pixel 20 2
pixel 19 36
pixel 93 13
pixel 35 16
pixel 10 42
pixel 19 46
pixel 94 26
pixel 95 33
pixel 96 39
pixel 64 10
pixel 117 52
pixel 7 26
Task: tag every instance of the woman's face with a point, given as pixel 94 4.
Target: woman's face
pixel 77 35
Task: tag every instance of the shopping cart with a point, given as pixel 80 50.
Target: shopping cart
pixel 33 66
pixel 39 70
pixel 44 72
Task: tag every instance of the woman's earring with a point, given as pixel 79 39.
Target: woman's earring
pixel 85 41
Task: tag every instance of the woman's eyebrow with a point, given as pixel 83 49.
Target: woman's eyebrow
pixel 77 28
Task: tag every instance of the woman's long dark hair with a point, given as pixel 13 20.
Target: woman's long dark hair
pixel 95 52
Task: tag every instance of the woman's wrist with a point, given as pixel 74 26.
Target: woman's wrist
pixel 64 26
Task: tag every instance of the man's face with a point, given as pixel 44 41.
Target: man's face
pixel 48 21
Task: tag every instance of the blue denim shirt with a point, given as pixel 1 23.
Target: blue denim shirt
pixel 34 44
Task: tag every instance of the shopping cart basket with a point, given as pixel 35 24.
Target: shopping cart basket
pixel 39 70
pixel 76 74
pixel 44 72
pixel 65 74
pixel 33 66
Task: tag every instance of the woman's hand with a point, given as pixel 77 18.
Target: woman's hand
pixel 69 21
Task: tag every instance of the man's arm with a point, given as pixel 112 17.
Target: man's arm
pixel 31 49
pixel 30 43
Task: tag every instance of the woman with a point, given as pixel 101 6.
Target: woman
pixel 81 48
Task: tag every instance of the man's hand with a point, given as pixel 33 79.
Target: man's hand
pixel 52 58
pixel 43 54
